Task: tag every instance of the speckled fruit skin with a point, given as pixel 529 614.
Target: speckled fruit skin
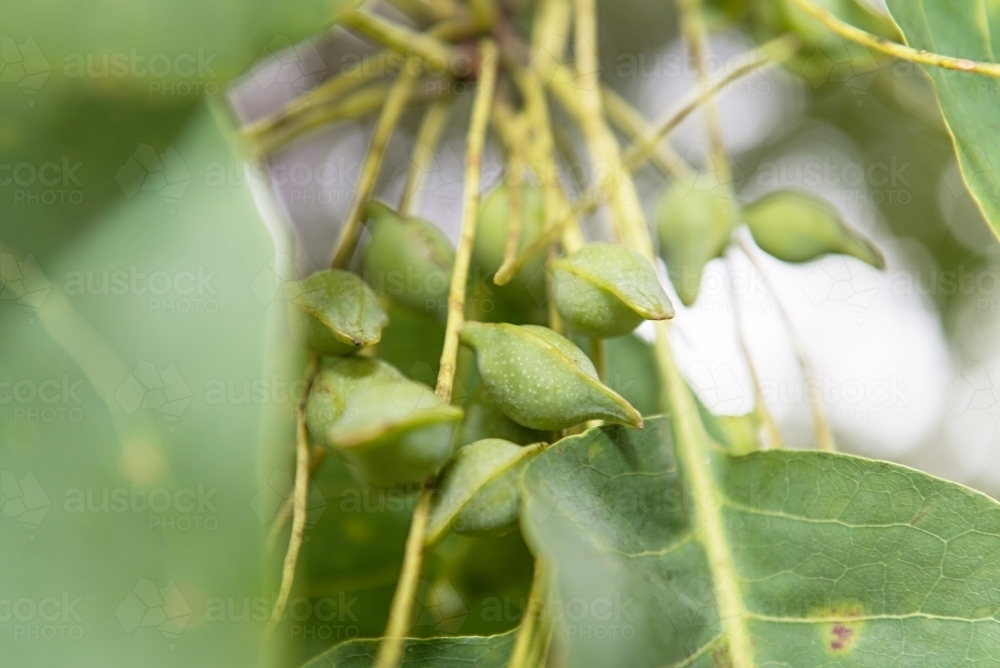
pixel 408 259
pixel 388 429
pixel 336 313
pixel 540 379
pixel 605 290
pixel 481 482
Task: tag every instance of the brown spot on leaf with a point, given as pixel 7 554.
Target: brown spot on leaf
pixel 720 657
pixel 841 626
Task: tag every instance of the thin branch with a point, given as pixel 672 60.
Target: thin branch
pixel 387 122
pixel 470 212
pixel 316 459
pixel 824 437
pixel 631 122
pixel 696 35
pixel 391 650
pixel 890 48
pixel 428 137
pixel 764 416
pixel 528 629
pixel 774 51
pixel 430 49
pixel 300 496
pixel 605 158
pixel 638 153
pixel 334 89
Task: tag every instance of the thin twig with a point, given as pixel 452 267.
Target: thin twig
pixel 391 649
pixel 774 51
pixel 824 437
pixel 515 177
pixel 888 47
pixel 300 493
pixel 470 212
pixel 631 122
pixel 764 416
pixel 696 33
pixel 439 55
pixel 316 458
pixel 528 629
pixel 387 122
pixel 431 127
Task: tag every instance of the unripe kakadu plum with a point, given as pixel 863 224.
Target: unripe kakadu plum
pixel 605 290
pixel 798 227
pixel 525 292
pixel 388 429
pixel 483 419
pixel 408 259
pixel 542 380
pixel 477 493
pixel 336 313
pixel 694 220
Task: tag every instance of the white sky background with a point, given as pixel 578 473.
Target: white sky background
pixel 893 386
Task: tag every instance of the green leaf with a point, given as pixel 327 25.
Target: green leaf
pixel 460 652
pixel 831 560
pixel 158 410
pixel 968 101
pixel 155 48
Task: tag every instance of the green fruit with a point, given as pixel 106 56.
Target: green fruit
pixel 797 227
pixel 337 379
pixel 605 290
pixel 484 420
pixel 477 492
pixel 336 313
pixel 388 429
pixel 408 259
pixel 526 290
pixel 540 379
pixel 693 221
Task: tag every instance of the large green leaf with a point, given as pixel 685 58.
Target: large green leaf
pixel 969 101
pixel 828 560
pixel 138 486
pixel 158 48
pixel 461 652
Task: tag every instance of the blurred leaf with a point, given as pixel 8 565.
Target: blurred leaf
pixel 157 48
pixel 461 652
pixel 968 101
pixel 145 480
pixel 837 560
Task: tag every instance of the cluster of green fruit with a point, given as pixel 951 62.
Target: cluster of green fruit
pixel 534 382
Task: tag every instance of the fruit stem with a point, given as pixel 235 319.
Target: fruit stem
pixel 300 496
pixel 631 122
pixel 775 51
pixel 428 136
pixel 316 459
pixel 387 122
pixel 764 416
pixel 390 651
pixel 400 38
pixel 528 629
pixel 824 437
pixel 695 33
pixel 470 213
pixel 888 47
